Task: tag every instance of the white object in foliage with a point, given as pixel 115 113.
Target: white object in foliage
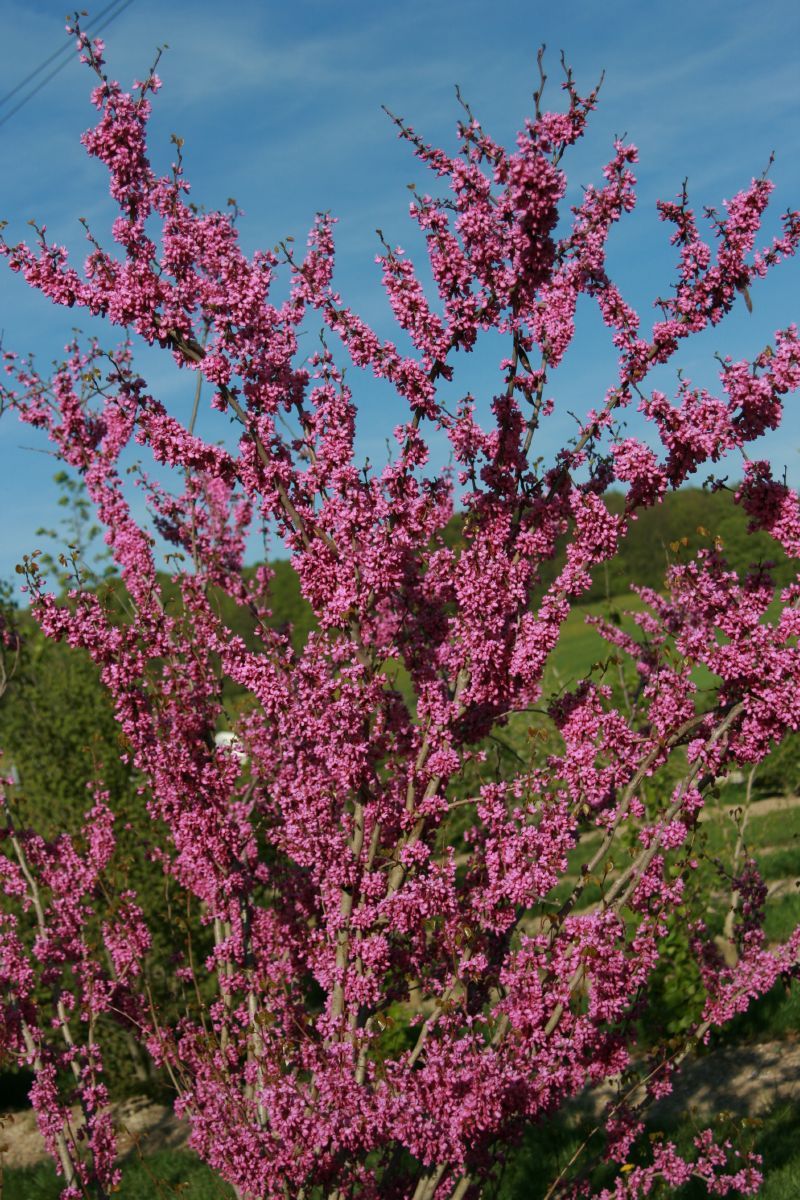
pixel 225 740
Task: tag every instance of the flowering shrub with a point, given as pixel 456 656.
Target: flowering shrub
pixel 389 991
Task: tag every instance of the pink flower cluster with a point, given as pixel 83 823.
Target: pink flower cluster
pixel 398 984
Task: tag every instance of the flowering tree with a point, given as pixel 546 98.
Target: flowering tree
pixel 389 992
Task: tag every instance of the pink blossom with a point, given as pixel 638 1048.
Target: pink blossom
pixel 393 983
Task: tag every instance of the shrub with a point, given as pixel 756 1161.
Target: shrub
pixel 380 990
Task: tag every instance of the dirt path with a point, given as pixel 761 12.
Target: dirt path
pixel 746 1080
pixel 143 1127
pixel 758 808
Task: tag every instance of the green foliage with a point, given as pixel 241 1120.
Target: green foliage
pixel 166 1173
pixel 57 726
pixel 675 994
pixel 774 1016
pixel 60 740
pixel 778 828
pixel 783 917
pixel 397 1034
pixel 780 774
pixel 783 863
pixel 686 521
pixel 773 1136
pixel 80 562
pixel 547 1148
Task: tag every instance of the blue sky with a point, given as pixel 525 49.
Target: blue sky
pixel 280 106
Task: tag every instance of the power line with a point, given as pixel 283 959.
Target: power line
pixel 66 52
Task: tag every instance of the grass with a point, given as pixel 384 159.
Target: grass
pixel 581 650
pixel 545 1149
pixel 774 1016
pixel 165 1173
pixel 580 647
pixel 779 1143
pixel 775 1136
pixel 775 828
pixel 780 864
pixel 783 917
pixel 779 829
